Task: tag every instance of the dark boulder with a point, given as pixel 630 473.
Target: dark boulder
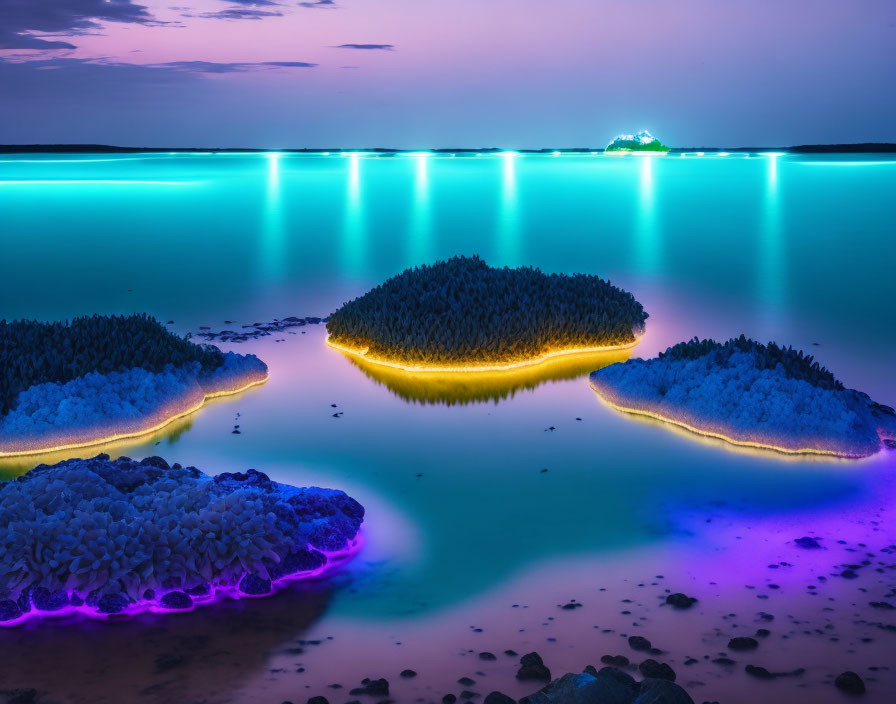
pixel 658 670
pixel 680 601
pixel 639 643
pixel 654 691
pixel 850 683
pixel 609 686
pixel 743 643
pixel 375 688
pixel 808 543
pixel 407 674
pixel 532 667
pixel 318 700
pixel 498 698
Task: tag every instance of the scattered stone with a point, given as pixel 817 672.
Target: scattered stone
pixel 532 667
pixel 659 670
pixel 808 543
pixel 407 674
pixel 743 643
pixel 614 660
pixel 680 601
pixel 375 688
pixel 499 698
pixel 318 700
pixel 850 683
pixel 608 686
pixel 658 691
pixel 487 656
pixel 639 643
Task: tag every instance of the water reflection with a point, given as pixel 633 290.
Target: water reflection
pixel 508 245
pixel 420 236
pixel 353 225
pixel 161 440
pixel 205 655
pixel 273 231
pixel 459 388
pixel 647 241
pixel 771 285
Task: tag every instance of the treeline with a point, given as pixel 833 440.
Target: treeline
pixel 32 352
pixel 795 363
pixel 462 310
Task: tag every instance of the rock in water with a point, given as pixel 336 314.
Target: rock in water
pixel 661 692
pixel 680 601
pixel 533 668
pixel 608 686
pixel 850 683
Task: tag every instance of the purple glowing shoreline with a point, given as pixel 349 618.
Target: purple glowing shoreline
pixel 216 593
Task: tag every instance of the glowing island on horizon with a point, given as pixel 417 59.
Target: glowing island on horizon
pixel 643 141
pixel 752 395
pixel 461 315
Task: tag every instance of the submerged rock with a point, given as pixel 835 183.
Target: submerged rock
pixel 850 683
pixel 680 601
pixel 532 667
pixel 112 535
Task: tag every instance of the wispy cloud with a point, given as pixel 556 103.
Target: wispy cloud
pixel 29 24
pixel 237 13
pixel 225 67
pixel 367 47
pixel 320 4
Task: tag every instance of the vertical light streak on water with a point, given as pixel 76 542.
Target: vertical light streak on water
pixel 420 235
pixel 508 244
pixel 273 231
pixel 647 241
pixel 771 284
pixel 352 253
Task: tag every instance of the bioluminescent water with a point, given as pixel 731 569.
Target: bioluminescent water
pixel 490 501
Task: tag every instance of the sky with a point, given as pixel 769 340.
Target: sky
pixel 446 73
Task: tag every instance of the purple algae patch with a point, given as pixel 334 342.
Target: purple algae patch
pixel 102 537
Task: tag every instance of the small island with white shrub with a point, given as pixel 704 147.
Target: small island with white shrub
pixel 750 394
pixel 643 141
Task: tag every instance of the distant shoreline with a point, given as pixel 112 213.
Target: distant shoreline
pixel 857 148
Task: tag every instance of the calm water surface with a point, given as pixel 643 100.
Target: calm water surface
pixel 463 522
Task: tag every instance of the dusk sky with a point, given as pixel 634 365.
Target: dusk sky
pixel 439 73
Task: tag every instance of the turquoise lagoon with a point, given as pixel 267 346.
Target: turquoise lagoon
pixel 463 522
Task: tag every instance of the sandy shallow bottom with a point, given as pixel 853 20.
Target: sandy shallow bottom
pixel 448 554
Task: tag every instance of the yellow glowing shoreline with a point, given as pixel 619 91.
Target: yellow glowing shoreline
pixel 362 354
pixel 40 450
pixel 720 436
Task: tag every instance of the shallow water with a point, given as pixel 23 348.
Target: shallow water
pixel 793 248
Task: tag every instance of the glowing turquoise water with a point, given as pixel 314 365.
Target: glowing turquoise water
pixel 793 248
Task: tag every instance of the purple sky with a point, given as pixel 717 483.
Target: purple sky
pixel 433 73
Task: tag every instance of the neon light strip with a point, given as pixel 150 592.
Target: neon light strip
pixel 91 182
pixel 136 433
pixel 217 592
pixel 479 368
pixel 720 436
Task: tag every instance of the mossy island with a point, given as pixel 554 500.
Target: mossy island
pixel 103 537
pixel 102 378
pixel 463 315
pixel 750 394
pixel 643 141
